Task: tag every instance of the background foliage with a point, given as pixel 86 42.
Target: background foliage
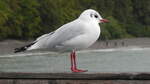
pixel 28 19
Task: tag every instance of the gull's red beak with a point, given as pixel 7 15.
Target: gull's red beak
pixel 104 20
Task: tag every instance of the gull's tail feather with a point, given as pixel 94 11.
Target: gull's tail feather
pixel 24 48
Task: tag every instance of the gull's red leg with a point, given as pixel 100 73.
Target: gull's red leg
pixel 73 63
pixel 74 59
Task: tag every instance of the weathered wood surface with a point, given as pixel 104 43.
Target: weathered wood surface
pixel 77 76
pixel 74 82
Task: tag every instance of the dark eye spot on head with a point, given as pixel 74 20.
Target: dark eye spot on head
pixel 96 16
pixel 91 15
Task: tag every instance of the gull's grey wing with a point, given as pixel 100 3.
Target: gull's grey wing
pixel 67 32
pixel 44 36
pixel 61 35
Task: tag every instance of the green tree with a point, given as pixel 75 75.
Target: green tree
pixel 25 19
pixel 5 12
pixel 116 29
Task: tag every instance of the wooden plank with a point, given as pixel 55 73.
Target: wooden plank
pixel 31 81
pixel 21 81
pixel 102 82
pixel 3 81
pixel 77 76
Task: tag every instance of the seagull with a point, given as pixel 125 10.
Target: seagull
pixel 75 35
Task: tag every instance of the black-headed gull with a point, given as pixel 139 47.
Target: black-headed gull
pixel 75 35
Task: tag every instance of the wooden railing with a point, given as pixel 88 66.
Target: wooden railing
pixel 75 78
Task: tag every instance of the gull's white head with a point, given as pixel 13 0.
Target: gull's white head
pixel 92 15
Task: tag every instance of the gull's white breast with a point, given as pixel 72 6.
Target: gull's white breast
pixel 91 32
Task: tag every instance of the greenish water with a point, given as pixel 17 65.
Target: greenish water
pixel 130 59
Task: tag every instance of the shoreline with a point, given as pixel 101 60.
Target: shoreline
pixel 139 42
pixel 8 46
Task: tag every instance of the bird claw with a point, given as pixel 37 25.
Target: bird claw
pixel 78 70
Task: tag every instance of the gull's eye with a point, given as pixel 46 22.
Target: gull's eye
pixel 95 16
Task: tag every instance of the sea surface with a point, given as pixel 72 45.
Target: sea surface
pixel 126 59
